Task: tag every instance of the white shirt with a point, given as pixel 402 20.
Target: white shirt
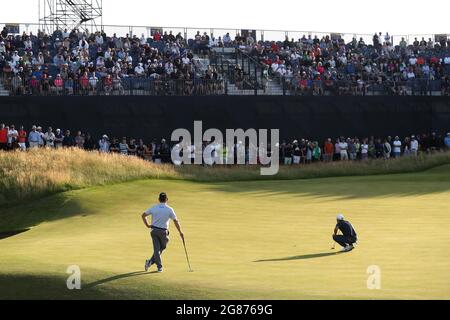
pixel 397 146
pixel 12 134
pixel 414 145
pixel 343 146
pixel 161 215
pixel 364 148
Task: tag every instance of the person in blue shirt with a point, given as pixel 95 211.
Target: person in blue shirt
pixel 447 141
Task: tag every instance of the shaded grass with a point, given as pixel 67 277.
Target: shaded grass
pixel 39 173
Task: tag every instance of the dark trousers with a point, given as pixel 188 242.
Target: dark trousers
pixel 344 240
pixel 160 239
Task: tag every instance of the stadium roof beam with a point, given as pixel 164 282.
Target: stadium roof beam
pixel 70 14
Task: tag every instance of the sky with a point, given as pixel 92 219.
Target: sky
pixel 344 16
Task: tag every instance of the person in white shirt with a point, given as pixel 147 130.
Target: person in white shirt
pixel 414 146
pixel 364 150
pixel 343 146
pixel 99 39
pixel 226 39
pixel 103 144
pixel 13 136
pixel 139 70
pixel 161 215
pixel 397 147
pixel 49 138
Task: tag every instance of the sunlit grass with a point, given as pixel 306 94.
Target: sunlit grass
pixel 43 172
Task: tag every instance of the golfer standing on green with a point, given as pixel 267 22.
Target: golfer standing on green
pixel 161 216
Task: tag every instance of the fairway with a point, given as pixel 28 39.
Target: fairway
pixel 246 240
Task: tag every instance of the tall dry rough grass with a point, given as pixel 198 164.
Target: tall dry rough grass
pixel 37 173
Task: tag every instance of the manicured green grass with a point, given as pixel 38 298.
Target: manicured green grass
pixel 260 239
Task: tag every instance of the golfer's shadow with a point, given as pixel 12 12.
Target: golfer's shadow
pixel 117 277
pixel 303 257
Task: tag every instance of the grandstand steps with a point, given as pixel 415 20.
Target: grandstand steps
pixel 273 89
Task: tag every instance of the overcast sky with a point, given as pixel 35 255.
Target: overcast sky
pixel 354 16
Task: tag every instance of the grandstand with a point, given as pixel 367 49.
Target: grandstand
pixel 114 60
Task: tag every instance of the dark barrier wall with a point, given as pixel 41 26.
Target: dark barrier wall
pixel 296 117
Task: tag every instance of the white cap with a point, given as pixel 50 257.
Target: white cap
pixel 340 217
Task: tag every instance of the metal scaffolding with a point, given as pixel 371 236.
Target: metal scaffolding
pixel 70 14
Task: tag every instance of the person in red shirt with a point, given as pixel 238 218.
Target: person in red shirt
pixel 328 150
pixel 22 139
pixel 3 137
pixel 157 36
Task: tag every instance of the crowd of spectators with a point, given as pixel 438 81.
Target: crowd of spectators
pixel 92 63
pixel 163 64
pixel 329 65
pixel 295 152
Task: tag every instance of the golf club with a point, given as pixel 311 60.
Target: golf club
pixel 187 257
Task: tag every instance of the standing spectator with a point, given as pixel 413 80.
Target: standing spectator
pixel 33 138
pixel 41 137
pixel 343 146
pixel 49 138
pixel 68 140
pixel 379 149
pixel 103 144
pixel 114 146
pixel 59 137
pixel 397 147
pixel 352 149
pixel 337 150
pixel 387 149
pixel 288 153
pixel 12 138
pixel 132 148
pixel 22 139
pixel 364 150
pixel 328 151
pixel 414 146
pixel 3 137
pixel 447 141
pixel 297 153
pixel 316 151
pixel 89 143
pixel 123 146
pixel 79 140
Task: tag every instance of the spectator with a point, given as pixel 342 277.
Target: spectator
pixel 3 137
pixel 34 138
pixel 397 147
pixel 89 143
pixel 328 151
pixel 104 145
pixel 447 141
pixel 343 147
pixel 79 140
pixel 414 146
pixel 22 139
pixel 49 138
pixel 12 138
pixel 123 146
pixel 59 138
pixel 68 140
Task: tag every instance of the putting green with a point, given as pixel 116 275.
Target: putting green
pixel 251 240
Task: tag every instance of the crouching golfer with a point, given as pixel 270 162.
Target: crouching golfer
pixel 161 216
pixel 348 237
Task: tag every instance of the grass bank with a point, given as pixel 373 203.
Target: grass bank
pixel 39 173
